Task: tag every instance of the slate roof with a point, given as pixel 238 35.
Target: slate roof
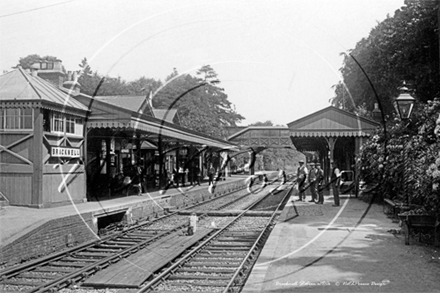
pixel 166 114
pixel 332 121
pixel 136 103
pixel 19 86
pixel 132 103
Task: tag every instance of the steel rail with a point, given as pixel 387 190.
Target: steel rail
pixel 251 193
pixel 180 262
pixel 257 242
pixel 11 272
pixel 190 254
pixel 87 270
pixel 99 264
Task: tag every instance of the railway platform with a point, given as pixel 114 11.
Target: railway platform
pixel 17 222
pixel 351 248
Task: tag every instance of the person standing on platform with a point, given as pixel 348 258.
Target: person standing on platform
pixel 312 182
pixel 197 176
pixel 319 183
pixel 211 173
pixel 301 175
pixel 335 178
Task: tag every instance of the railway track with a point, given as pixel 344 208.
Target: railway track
pixel 63 269
pixel 50 274
pixel 222 261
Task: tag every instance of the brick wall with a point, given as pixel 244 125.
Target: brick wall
pixel 52 236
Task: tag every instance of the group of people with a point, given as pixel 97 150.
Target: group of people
pixel 180 176
pixel 313 179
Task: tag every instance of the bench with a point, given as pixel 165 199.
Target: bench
pixel 410 222
pixel 393 208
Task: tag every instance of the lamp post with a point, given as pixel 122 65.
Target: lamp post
pixel 405 104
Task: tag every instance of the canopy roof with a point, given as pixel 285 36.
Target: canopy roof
pixel 309 133
pixel 140 104
pixel 332 122
pixel 110 115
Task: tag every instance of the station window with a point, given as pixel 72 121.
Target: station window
pixel 70 124
pixel 67 123
pixel 16 118
pixel 58 122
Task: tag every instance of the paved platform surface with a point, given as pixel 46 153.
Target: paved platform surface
pixel 351 248
pixel 17 221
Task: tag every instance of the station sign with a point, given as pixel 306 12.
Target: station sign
pixel 65 152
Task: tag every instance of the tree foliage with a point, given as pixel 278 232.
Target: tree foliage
pixel 111 86
pixel 203 108
pixel 411 161
pixel 27 61
pixel 402 48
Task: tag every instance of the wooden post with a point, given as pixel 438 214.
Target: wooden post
pixel 331 144
pixel 178 165
pixel 406 184
pixel 85 161
pixel 160 150
pixel 37 177
pixel 331 141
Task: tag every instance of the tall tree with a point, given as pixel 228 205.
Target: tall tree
pixel 112 86
pixel 266 123
pixel 143 86
pixel 205 109
pixel 208 73
pixel 88 79
pixel 402 48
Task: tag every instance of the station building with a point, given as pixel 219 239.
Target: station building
pixel 59 146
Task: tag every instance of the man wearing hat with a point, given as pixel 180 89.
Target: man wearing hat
pixel 335 178
pixel 301 176
pixel 312 182
pixel 319 183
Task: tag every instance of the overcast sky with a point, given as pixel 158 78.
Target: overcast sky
pixel 276 60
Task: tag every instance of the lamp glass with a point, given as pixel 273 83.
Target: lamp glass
pixel 405 109
pixel 405 105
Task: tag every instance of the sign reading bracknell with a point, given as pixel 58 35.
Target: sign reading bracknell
pixel 65 152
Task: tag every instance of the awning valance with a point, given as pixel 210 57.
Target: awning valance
pixel 166 130
pixel 329 134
